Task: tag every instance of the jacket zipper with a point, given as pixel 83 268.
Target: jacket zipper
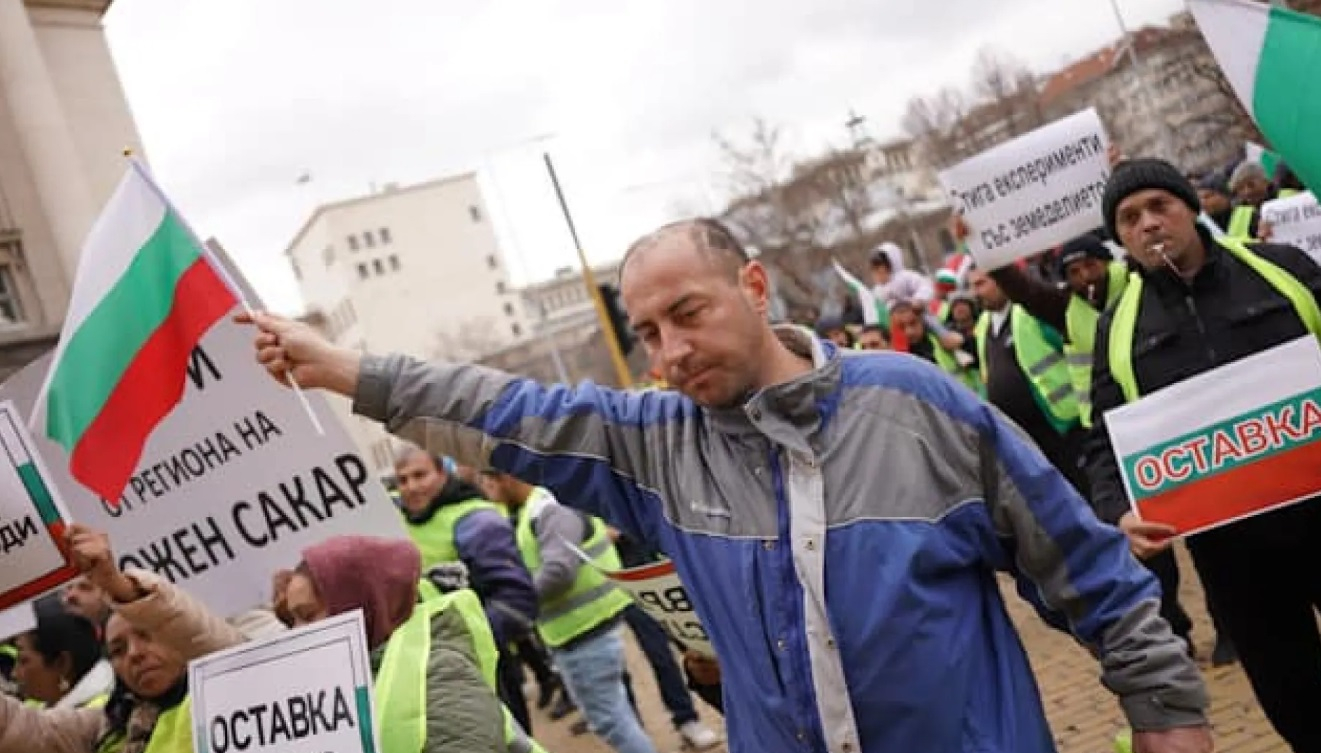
pixel 1201 327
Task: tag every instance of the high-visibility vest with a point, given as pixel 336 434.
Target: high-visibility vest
pixel 401 682
pixel 435 538
pixel 945 360
pixel 173 732
pixel 1080 319
pixel 591 600
pixel 1240 223
pixel 1040 359
pixel 1124 323
pixel 1285 193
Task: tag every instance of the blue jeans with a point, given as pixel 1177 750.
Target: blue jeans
pixel 593 673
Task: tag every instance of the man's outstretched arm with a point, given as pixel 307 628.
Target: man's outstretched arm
pixel 602 443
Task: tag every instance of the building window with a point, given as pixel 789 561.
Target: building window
pixel 500 287
pixel 394 263
pixel 362 271
pixel 385 235
pixel 10 310
pixel 492 262
pixel 369 239
pixel 509 308
pixel 517 330
pixel 353 242
pixel 328 256
pixel 378 267
pixel 475 212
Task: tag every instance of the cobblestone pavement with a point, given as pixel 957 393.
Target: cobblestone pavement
pixel 1083 714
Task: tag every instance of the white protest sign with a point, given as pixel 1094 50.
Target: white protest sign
pixel 657 589
pixel 1032 193
pixel 232 484
pixel 32 518
pixel 1206 452
pixel 305 691
pixel 1295 221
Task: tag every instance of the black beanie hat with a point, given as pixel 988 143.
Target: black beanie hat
pixel 1083 247
pixel 1131 176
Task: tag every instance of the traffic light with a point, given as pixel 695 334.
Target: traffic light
pixel 618 319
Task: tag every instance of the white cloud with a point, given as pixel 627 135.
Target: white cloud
pixel 236 98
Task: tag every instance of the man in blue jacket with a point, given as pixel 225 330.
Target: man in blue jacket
pixel 838 518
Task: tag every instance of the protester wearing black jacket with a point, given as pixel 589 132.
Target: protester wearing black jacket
pixel 1200 308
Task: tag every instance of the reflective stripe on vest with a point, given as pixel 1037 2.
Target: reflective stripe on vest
pixel 173 732
pixel 945 360
pixel 435 538
pixel 401 683
pixel 1125 320
pixel 591 600
pixel 1081 319
pixel 1240 223
pixel 1043 365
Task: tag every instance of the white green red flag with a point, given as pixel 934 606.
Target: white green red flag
pixel 873 310
pixel 1206 451
pixel 1271 56
pixel 145 293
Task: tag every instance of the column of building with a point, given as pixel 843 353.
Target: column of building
pixel 45 135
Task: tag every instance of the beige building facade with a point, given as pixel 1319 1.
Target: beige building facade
pixel 64 126
pixel 416 270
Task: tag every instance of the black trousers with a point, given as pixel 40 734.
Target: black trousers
pixel 1264 576
pixel 510 679
pixel 1166 569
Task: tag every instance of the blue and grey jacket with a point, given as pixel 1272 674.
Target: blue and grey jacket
pixel 840 536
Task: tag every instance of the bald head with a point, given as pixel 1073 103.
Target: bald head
pixel 709 237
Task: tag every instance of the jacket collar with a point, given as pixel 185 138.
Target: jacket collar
pixel 1164 280
pixel 791 411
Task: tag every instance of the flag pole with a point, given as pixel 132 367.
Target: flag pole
pixel 224 274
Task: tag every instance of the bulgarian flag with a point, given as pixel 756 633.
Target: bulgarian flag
pixel 873 311
pixel 145 293
pixel 1271 57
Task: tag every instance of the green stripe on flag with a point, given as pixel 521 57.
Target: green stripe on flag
pixel 366 725
pixel 106 343
pixel 1286 96
pixel 1228 428
pixel 40 495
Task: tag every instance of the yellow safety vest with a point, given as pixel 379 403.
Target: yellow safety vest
pixel 435 538
pixel 1080 319
pixel 1124 323
pixel 173 732
pixel 945 360
pixel 1041 361
pixel 400 705
pixel 1285 193
pixel 591 600
pixel 1240 223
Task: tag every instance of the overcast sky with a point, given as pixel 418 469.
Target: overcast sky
pixel 236 98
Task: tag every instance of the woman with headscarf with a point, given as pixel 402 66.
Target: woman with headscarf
pixel 59 663
pixel 441 641
pixel 154 631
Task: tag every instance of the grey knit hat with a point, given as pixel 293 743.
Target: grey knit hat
pixel 1131 176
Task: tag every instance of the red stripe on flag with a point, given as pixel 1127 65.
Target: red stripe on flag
pixel 109 451
pixel 644 572
pixel 1260 486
